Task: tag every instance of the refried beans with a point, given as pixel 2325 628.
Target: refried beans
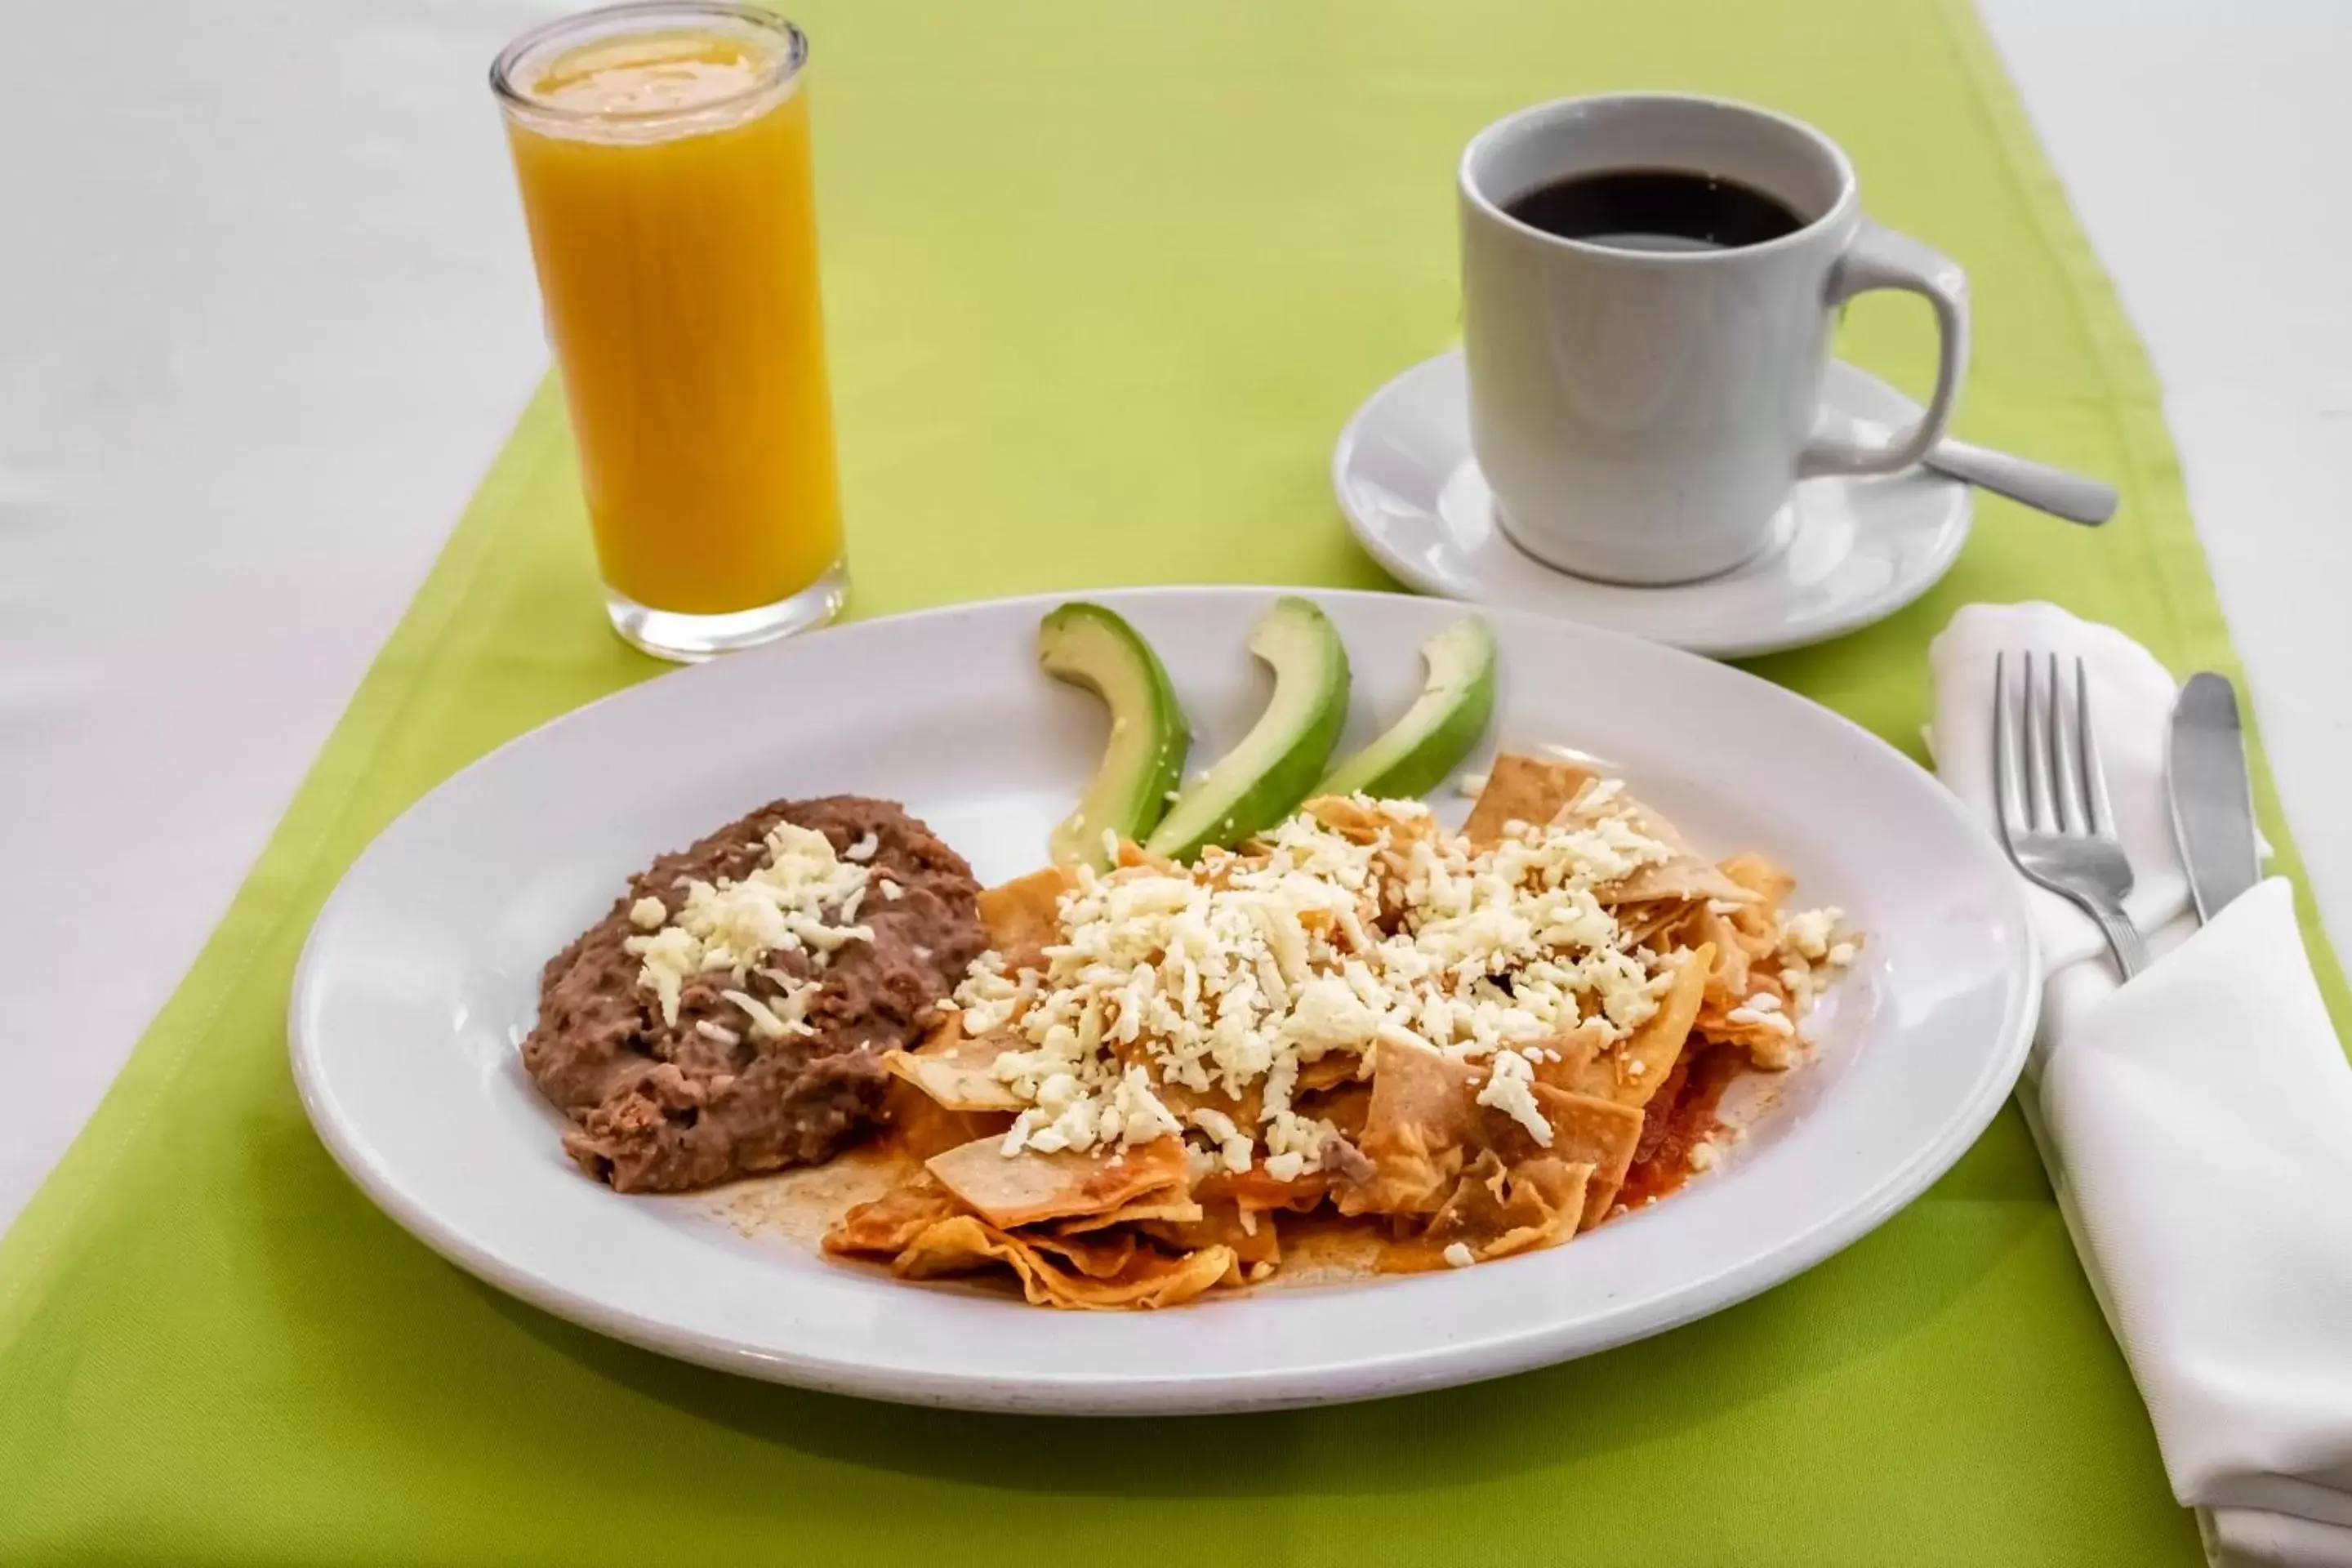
pixel 660 1105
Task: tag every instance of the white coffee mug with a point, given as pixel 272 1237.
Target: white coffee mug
pixel 1641 415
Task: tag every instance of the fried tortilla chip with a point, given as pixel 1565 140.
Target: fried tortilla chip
pixel 1182 1099
pixel 1103 1257
pixel 1422 1113
pixel 921 1127
pixel 1580 1062
pixel 1171 1203
pixel 1131 855
pixel 957 1245
pixel 1769 1044
pixel 1496 1210
pixel 1022 917
pixel 1728 976
pixel 1683 878
pixel 1645 1058
pixel 1011 1190
pixel 1249 1234
pixel 1346 1107
pixel 1153 1280
pixel 1573 1061
pixel 954 1068
pixel 890 1222
pixel 1256 1191
pixel 1722 998
pixel 1703 925
pixel 1631 1070
pixel 1523 789
pixel 1655 926
pixel 1761 877
pixel 1347 816
pixel 1588 1130
pixel 1585 808
pixel 1757 925
pixel 1766 1051
pixel 1329 1071
pixel 1145 1277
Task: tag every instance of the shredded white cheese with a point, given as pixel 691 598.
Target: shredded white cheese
pixel 1807 931
pixel 1776 1023
pixel 1230 978
pixel 801 900
pixel 1510 1088
pixel 1811 952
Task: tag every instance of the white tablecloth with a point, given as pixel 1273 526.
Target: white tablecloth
pixel 266 312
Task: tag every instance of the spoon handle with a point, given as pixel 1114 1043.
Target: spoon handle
pixel 2021 479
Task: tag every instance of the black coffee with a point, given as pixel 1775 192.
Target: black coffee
pixel 1654 209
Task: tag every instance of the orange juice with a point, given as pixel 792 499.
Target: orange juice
pixel 663 153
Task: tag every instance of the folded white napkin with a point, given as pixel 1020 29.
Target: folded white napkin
pixel 2197 1125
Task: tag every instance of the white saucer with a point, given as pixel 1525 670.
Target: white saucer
pixel 1846 552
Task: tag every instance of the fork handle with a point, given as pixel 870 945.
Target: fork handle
pixel 2123 937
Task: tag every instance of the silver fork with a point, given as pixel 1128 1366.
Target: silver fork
pixel 2054 814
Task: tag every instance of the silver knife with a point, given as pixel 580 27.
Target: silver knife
pixel 2213 797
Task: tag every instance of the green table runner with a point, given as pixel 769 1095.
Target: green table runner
pixel 1104 279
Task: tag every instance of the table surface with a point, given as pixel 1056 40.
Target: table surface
pixel 203 552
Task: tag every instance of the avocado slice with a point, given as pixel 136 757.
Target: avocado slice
pixel 1266 774
pixel 1090 645
pixel 1413 755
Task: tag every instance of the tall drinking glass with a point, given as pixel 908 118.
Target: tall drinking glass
pixel 663 152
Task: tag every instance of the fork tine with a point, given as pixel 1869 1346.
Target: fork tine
pixel 2009 780
pixel 2095 772
pixel 2067 766
pixel 2040 818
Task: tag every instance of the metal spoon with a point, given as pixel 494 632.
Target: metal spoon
pixel 2025 482
pixel 2021 479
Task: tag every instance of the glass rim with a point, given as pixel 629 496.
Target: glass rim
pixel 620 21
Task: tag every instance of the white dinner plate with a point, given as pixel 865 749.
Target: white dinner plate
pixel 1844 550
pixel 420 978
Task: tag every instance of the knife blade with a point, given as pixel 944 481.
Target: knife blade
pixel 2213 797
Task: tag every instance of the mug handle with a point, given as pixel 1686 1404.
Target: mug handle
pixel 1878 257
